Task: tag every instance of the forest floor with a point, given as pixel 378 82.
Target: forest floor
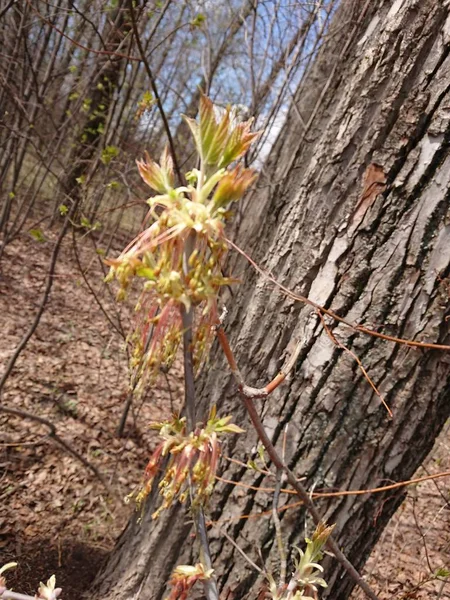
pixel 55 514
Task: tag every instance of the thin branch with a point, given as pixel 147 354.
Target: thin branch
pixel 333 315
pixel 54 435
pixel 280 464
pixel 7 7
pixel 155 92
pixel 77 44
pixel 45 296
pixel 279 536
pixel 116 327
pixel 249 391
pixel 377 490
pixel 339 344
pixel 239 549
pixel 187 316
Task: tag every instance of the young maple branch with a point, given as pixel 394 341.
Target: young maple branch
pixel 187 317
pixel 280 464
pixel 249 391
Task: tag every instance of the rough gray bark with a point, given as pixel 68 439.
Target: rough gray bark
pixel 381 116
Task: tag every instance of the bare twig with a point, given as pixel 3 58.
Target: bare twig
pixel 45 296
pixel 337 494
pixel 187 316
pixel 280 464
pixel 277 523
pixel 339 344
pixel 155 92
pixel 75 43
pixel 239 549
pixel 54 435
pixel 116 326
pixel 333 315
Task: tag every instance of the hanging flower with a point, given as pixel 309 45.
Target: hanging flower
pixel 192 460
pixel 179 258
pixel 184 577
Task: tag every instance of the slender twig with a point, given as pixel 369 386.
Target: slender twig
pixel 291 478
pixel 339 344
pixel 54 435
pixel 187 317
pixel 45 296
pixel 377 490
pixel 239 549
pixel 333 315
pixel 277 523
pixel 249 391
pixel 117 327
pixel 441 588
pixel 422 535
pixel 210 585
pixel 155 92
pixel 77 44
pixel 7 7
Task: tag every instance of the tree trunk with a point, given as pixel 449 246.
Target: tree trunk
pixel 353 213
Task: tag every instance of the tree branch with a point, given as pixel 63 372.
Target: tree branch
pixel 280 464
pixel 54 435
pixel 155 92
pixel 45 296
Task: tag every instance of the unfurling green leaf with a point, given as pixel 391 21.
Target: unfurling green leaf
pixel 198 20
pixel 109 153
pixel 37 235
pixel 85 223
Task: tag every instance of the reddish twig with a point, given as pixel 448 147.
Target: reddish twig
pixel 339 344
pixel 377 490
pixel 247 394
pixel 333 315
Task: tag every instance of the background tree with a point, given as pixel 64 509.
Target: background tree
pixel 352 214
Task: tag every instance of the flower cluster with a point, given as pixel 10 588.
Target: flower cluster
pixel 192 460
pixel 183 579
pixel 48 591
pixel 179 257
